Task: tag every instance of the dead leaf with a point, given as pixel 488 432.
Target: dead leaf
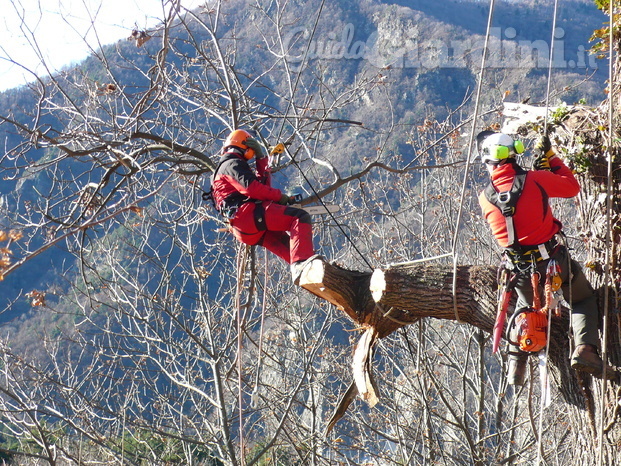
pixel 5 258
pixel 37 298
pixel 15 235
pixel 201 272
pixel 140 37
pixel 137 210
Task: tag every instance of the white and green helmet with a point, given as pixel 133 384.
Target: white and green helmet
pixel 495 147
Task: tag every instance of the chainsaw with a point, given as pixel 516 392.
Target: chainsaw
pixel 323 209
pixel 528 329
pixel 319 209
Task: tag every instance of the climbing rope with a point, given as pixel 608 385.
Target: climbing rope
pixel 299 76
pixel 544 401
pixel 284 120
pixel 550 61
pixel 609 238
pixel 336 222
pixel 469 158
pixel 545 394
pixel 255 392
pixel 242 257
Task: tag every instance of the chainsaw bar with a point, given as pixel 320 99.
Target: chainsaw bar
pixel 319 209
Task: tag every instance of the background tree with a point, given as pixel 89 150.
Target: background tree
pixel 164 341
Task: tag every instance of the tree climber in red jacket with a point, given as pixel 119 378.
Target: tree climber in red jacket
pixel 258 213
pixel 531 236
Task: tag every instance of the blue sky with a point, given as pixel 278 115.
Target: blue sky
pixel 59 32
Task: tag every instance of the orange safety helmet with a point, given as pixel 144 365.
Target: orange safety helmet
pixel 238 139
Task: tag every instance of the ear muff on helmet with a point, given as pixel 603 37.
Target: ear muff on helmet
pixel 498 152
pixel 518 146
pixel 238 139
pixel 249 154
pixel 495 147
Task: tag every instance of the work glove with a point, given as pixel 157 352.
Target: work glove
pixel 543 145
pixel 541 163
pixel 544 148
pixel 256 146
pixel 286 200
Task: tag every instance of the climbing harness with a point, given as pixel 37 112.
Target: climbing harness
pixel 225 208
pixel 528 327
pixel 506 202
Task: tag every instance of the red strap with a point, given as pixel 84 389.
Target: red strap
pixel 534 280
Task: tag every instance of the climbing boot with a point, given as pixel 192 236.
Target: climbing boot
pixel 516 371
pixel 298 267
pixel 586 359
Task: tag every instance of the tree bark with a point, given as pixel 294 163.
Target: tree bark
pixel 390 299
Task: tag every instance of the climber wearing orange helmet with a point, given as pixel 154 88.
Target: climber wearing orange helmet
pixel 257 212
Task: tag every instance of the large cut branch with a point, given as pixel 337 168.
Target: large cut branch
pixel 389 299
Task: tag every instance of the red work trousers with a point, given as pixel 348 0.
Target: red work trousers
pixel 285 231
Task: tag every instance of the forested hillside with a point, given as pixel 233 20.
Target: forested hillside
pixel 134 330
pixel 395 47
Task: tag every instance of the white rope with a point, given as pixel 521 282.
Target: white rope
pixel 418 261
pixel 543 395
pixel 550 61
pixel 469 158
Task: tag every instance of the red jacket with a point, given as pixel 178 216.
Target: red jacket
pixel 235 183
pixel 533 219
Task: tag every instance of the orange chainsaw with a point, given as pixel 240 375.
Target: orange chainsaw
pixel 528 329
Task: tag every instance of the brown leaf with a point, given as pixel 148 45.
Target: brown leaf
pixel 15 235
pixel 202 272
pixel 5 258
pixel 37 298
pixel 137 210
